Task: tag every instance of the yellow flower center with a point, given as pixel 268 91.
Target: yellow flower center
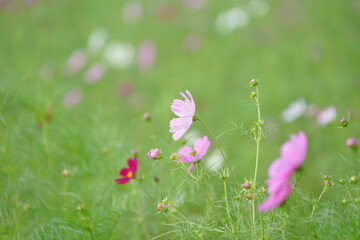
pixel 129 175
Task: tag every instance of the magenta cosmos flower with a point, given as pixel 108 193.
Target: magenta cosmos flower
pixel 188 154
pixel 292 155
pixel 185 110
pixel 128 173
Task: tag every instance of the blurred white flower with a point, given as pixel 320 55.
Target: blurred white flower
pixel 215 161
pixel 230 20
pixel 97 40
pixel 294 111
pixel 258 7
pixel 132 11
pixel 119 55
pixel 326 116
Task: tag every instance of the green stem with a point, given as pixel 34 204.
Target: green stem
pixel 227 206
pixel 317 201
pixel 216 142
pixel 258 136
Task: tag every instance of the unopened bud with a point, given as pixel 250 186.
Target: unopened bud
pixel 344 202
pixel 156 179
pixel 329 183
pixel 26 207
pixel 247 185
pixel 147 116
pixel 134 153
pixel 327 177
pixel 353 179
pixel 224 176
pixel 154 154
pixel 249 197
pixel 66 173
pixel 105 150
pixel 342 181
pixel 253 94
pixel 343 122
pixel 174 156
pixel 253 82
pixel 351 142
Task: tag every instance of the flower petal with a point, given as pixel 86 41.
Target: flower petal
pixel 133 163
pixel 179 126
pixel 124 172
pixel 275 200
pixel 122 180
pixel 184 153
pixel 201 146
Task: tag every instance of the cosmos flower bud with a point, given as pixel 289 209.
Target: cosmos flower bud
pixel 353 179
pixel 156 179
pixel 329 183
pixel 174 156
pixel 247 185
pixel 147 116
pixel 253 94
pixel 351 142
pixel 134 153
pixel 249 197
pixel 344 202
pixel 66 173
pixel 343 122
pixel 327 177
pixel 154 153
pixel 342 181
pixel 253 82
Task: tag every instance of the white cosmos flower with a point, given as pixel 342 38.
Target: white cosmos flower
pixel 97 40
pixel 326 116
pixel 294 111
pixel 258 7
pixel 119 55
pixel 231 20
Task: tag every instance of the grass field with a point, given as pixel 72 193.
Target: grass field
pixel 76 78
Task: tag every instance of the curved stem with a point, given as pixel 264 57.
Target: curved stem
pixel 216 142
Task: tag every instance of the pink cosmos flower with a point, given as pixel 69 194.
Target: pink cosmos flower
pixel 128 173
pixel 292 155
pixel 185 110
pixel 154 154
pixel 76 61
pixel 95 73
pixel 146 56
pixel 72 97
pixel 188 154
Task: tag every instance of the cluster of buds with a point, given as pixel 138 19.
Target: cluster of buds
pixel 174 156
pixel 248 189
pixel 154 154
pixel 165 205
pixel 327 181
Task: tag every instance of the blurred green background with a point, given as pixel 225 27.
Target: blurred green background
pixel 77 76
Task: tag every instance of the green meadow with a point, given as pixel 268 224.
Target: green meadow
pixel 76 78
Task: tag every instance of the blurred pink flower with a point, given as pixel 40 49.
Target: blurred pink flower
pixel 185 110
pixel 146 56
pixel 72 97
pixel 188 154
pixel 351 142
pixel 192 42
pixel 292 155
pixel 95 73
pixel 76 61
pixel 194 4
pixel 128 173
pixel 126 88
pixel 132 11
